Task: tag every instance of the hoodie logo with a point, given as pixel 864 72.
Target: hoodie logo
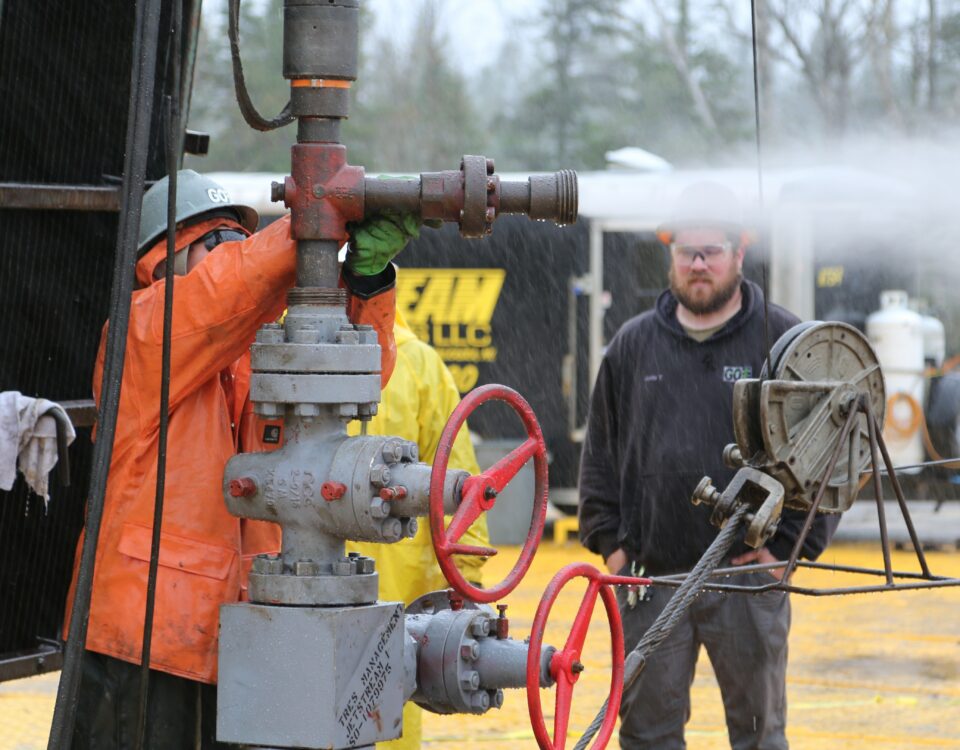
pixel 733 373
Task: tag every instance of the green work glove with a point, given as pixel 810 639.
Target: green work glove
pixel 375 241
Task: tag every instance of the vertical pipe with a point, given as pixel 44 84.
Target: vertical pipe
pixel 596 299
pixel 189 66
pixel 570 361
pixel 317 263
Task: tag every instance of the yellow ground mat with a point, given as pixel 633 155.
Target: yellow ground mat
pixel 877 671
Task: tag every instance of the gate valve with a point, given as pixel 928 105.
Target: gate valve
pixel 503 624
pixel 456 601
pixel 479 494
pixel 565 664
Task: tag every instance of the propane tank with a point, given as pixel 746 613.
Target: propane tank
pixel 897 335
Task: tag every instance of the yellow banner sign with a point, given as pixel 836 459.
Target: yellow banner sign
pixel 452 308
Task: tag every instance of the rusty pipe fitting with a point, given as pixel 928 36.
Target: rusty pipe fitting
pixel 552 197
pixel 474 196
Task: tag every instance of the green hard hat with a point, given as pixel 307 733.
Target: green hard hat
pixel 197 196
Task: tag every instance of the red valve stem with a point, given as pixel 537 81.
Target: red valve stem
pixel 331 491
pixel 503 624
pixel 393 493
pixel 243 487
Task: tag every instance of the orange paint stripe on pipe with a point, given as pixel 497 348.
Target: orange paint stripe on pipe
pixel 319 83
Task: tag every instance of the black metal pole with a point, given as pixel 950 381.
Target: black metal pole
pixel 139 114
pixel 173 163
pixel 878 491
pixel 898 491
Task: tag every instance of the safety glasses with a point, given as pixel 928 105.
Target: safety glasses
pixel 713 255
pixel 212 239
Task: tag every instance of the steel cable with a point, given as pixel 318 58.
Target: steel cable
pixel 254 119
pixel 756 118
pixel 174 152
pixel 946 463
pixel 678 605
pixel 139 114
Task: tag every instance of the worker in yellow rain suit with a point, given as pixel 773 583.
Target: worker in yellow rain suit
pixel 415 405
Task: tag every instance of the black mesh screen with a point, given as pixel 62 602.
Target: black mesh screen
pixel 64 88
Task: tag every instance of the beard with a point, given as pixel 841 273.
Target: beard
pixel 705 300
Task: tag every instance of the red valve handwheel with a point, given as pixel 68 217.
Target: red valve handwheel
pixel 565 665
pixel 479 494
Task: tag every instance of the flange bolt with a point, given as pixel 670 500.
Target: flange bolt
pixel 470 680
pixel 480 701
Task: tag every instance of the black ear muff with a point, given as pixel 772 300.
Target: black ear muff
pixel 219 236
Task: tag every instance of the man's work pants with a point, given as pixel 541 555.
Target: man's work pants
pixel 181 713
pixel 745 636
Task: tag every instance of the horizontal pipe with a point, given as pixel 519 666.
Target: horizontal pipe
pixel 514 197
pixel 394 194
pixel 82 413
pixel 503 664
pixel 59 197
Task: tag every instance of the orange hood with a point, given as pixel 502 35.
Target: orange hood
pixel 184 238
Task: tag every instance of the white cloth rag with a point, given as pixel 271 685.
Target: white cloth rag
pixel 28 440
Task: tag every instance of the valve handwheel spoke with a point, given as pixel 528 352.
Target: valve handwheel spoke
pixel 561 717
pixel 566 665
pixel 498 475
pixel 479 494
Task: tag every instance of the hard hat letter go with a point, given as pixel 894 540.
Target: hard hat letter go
pixel 197 196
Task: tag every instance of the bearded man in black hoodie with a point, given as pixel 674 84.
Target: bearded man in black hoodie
pixel 660 416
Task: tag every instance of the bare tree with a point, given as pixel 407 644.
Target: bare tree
pixel 826 57
pixel 933 33
pixel 571 30
pixel 413 107
pixel 765 64
pixel 674 38
pixel 882 34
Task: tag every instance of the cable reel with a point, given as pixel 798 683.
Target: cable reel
pixel 787 422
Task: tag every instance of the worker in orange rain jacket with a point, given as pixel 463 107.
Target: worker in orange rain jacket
pixel 227 284
pixel 416 405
